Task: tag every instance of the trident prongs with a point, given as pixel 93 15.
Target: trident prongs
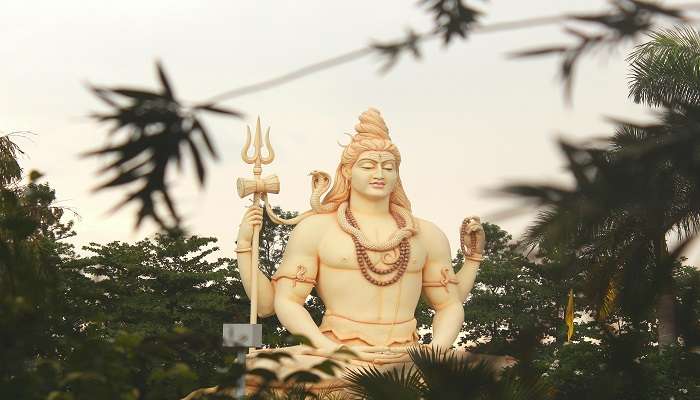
pixel 257 157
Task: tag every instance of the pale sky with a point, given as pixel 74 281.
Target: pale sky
pixel 466 119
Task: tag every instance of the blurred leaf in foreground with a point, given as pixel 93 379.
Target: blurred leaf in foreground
pixel 157 126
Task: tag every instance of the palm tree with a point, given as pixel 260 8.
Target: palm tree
pixel 666 72
pixel 628 197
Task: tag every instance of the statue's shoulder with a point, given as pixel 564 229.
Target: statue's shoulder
pixel 308 234
pixel 315 224
pixel 429 232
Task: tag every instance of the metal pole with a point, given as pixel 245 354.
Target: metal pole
pixel 240 385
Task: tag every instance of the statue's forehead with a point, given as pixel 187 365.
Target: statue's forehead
pixel 376 155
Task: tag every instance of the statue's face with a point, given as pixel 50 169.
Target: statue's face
pixel 374 174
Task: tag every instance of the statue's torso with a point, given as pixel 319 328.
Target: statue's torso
pixel 345 291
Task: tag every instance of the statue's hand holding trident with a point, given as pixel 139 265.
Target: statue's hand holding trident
pixel 257 286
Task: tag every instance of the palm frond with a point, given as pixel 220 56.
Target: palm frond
pixel 628 135
pixel 608 302
pixel 451 374
pixel 370 383
pixel 10 170
pixel 666 69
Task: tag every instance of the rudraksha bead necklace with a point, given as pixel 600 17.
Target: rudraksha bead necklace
pixel 469 249
pixel 462 236
pixel 398 267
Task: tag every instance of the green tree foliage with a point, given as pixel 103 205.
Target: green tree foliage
pixel 512 296
pixel 30 256
pixel 687 283
pixel 157 285
pixel 517 308
pixel 67 335
pixel 273 241
pixel 76 328
pixel 29 261
pixel 614 369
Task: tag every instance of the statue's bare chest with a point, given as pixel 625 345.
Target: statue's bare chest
pixel 337 251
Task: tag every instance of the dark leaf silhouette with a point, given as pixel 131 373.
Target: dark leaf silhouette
pixel 450 376
pixel 276 356
pixel 392 51
pixel 302 377
pixel 452 17
pixel 167 89
pixel 219 110
pixel 156 125
pixel 327 367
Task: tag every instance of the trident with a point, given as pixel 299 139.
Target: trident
pixel 259 187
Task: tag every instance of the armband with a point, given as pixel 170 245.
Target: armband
pixel 299 277
pixel 475 257
pixel 444 281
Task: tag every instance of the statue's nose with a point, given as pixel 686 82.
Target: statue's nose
pixel 378 173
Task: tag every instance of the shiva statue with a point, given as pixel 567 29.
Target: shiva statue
pixel 369 258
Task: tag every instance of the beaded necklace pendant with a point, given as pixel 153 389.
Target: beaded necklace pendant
pixel 397 267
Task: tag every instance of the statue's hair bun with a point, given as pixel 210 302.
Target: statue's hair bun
pixel 371 126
